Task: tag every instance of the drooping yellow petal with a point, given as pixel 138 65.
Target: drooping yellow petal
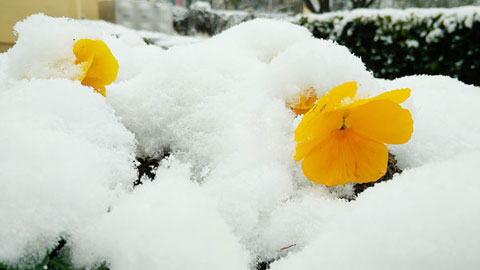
pixel 382 120
pixel 346 157
pixel 334 97
pixel 398 96
pixel 101 66
pixel 315 128
pixel 307 101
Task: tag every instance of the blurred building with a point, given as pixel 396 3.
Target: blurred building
pixel 152 15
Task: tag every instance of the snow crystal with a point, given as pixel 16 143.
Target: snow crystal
pixel 166 224
pixel 426 218
pixel 65 157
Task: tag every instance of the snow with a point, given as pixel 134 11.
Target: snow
pixel 178 94
pixel 171 224
pixel 434 35
pixel 411 43
pixel 230 193
pixel 426 218
pixel 443 122
pixel 40 53
pixel 65 158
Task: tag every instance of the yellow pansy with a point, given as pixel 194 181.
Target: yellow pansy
pixel 100 68
pixel 342 139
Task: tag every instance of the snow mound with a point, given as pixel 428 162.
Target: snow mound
pixel 44 53
pixel 194 89
pixel 44 49
pixel 166 224
pixel 444 125
pixel 220 105
pixel 65 158
pixel 426 218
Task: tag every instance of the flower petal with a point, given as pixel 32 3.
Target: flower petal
pixel 306 102
pixel 382 120
pixel 346 157
pixel 313 129
pixel 103 68
pixel 398 96
pixel 320 121
pixel 333 98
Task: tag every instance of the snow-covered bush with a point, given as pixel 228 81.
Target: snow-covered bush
pixel 395 43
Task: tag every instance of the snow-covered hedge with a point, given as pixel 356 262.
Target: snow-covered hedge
pixel 395 43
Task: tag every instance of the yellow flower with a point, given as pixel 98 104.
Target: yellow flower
pixel 306 102
pixel 100 68
pixel 342 139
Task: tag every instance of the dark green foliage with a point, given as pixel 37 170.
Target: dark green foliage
pixel 435 45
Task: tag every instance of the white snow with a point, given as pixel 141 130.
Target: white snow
pixel 426 218
pixel 166 224
pixel 64 159
pixel 230 193
pixel 41 52
pixel 262 63
pixel 444 122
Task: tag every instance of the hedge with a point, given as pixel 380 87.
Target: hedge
pixel 395 43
